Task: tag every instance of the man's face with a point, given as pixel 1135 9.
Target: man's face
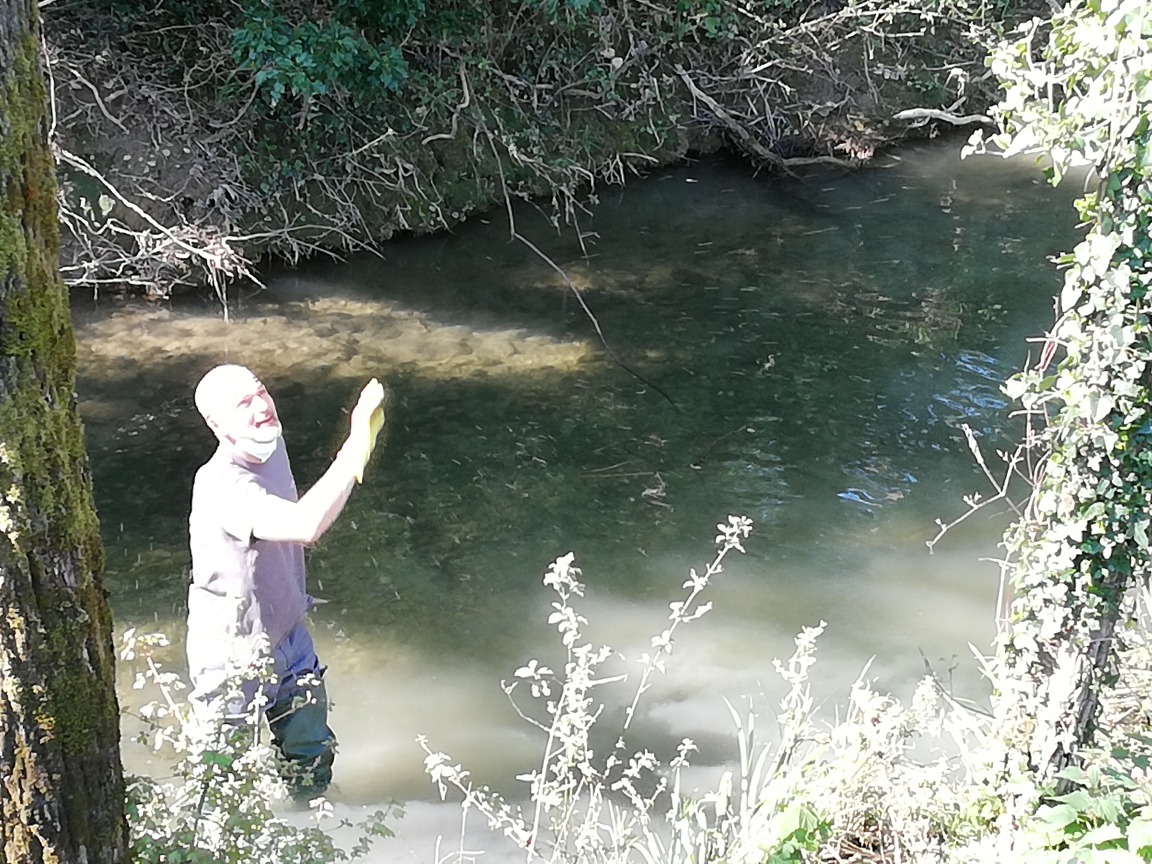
pixel 245 412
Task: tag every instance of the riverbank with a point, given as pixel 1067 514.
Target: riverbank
pixel 198 141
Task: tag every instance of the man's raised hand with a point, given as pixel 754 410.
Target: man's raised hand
pixel 367 421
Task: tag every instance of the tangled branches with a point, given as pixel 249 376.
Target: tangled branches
pixel 180 164
pixel 162 208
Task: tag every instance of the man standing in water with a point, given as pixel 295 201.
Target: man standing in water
pixel 248 598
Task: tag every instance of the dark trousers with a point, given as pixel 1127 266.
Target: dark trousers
pixel 297 709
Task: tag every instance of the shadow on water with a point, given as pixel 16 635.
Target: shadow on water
pixel 824 341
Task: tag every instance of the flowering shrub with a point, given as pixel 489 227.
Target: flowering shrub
pixel 220 804
pixel 818 791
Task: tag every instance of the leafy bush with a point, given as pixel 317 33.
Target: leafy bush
pixel 818 790
pixel 308 59
pixel 1108 818
pixel 221 807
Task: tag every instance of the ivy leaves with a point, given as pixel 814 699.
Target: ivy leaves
pixel 1078 92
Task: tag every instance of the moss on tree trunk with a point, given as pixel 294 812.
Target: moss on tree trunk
pixel 61 782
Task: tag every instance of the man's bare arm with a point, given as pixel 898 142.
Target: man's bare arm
pixel 306 520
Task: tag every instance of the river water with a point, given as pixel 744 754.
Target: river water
pixel 801 351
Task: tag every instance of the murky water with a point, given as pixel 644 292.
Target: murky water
pixel 805 353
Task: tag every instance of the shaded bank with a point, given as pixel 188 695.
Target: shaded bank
pixel 200 137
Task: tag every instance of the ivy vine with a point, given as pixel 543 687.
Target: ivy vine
pixel 1078 89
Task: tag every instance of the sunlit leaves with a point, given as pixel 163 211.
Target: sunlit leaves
pixel 573 815
pixel 1078 95
pixel 219 803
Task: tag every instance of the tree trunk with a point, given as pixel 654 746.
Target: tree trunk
pixel 61 782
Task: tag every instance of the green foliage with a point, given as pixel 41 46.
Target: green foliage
pixel 802 832
pixel 1107 817
pixel 334 125
pixel 705 20
pixel 309 59
pixel 388 17
pixel 1078 92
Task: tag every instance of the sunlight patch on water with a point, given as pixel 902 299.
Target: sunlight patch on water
pixel 326 338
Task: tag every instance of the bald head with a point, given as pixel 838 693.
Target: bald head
pixel 239 411
pixel 222 389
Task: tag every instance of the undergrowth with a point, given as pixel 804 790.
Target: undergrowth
pixel 884 781
pixel 200 135
pixel 879 781
pixel 222 799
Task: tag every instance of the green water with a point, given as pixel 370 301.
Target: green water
pixel 805 352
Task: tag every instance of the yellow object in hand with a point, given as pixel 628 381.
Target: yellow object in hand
pixel 367 421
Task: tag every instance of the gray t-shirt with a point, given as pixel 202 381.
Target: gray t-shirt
pixel 242 586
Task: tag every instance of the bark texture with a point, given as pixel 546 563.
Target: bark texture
pixel 61 781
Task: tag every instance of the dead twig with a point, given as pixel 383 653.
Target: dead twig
pixel 748 140
pixel 925 114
